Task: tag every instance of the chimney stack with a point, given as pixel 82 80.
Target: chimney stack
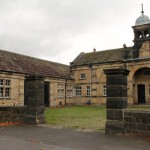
pixel 94 50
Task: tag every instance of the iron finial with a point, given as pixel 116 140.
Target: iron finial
pixel 142 9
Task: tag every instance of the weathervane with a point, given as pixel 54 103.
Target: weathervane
pixel 142 9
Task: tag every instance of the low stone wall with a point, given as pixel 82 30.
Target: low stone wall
pixel 13 114
pixel 137 121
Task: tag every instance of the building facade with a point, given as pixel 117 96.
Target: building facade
pixel 84 81
pixel 87 68
pixel 15 68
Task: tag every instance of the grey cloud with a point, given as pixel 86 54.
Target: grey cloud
pixel 49 27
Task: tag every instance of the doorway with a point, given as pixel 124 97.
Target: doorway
pixel 46 94
pixel 141 93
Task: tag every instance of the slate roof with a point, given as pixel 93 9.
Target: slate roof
pixel 105 56
pixel 17 63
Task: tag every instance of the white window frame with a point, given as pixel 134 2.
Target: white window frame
pixel 88 91
pixel 5 88
pixel 69 92
pixel 60 90
pixel 78 91
pixel 104 90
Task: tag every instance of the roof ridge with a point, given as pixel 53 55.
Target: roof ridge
pixel 27 56
pixel 108 50
pixel 102 56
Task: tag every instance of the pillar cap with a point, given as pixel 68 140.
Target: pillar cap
pixel 116 71
pixel 34 77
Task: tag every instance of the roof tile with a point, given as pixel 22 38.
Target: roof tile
pixel 12 62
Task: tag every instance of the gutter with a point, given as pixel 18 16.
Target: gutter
pixel 66 92
pixel 136 59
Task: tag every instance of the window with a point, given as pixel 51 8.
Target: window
pixel 69 91
pixel 60 90
pixel 88 90
pixel 104 90
pixel 1 92
pixel 147 73
pixel 82 76
pixel 4 88
pixel 77 91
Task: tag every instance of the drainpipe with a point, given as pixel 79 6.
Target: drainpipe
pixel 90 66
pixel 66 91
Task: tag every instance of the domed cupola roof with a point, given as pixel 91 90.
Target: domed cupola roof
pixel 143 19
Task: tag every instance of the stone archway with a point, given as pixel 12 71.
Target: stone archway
pixel 141 86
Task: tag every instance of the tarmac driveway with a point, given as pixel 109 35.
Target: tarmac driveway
pixel 27 137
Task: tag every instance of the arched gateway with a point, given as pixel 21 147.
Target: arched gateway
pixel 141 86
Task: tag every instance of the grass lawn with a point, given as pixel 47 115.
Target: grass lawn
pixel 141 107
pixel 83 117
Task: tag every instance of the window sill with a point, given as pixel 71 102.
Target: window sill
pixel 82 79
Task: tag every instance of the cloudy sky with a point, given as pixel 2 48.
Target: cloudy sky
pixel 58 30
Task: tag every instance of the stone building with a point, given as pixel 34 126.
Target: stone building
pixel 15 68
pixel 90 80
pixel 84 81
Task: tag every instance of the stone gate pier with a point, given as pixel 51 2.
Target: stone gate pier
pixel 116 99
pixel 35 100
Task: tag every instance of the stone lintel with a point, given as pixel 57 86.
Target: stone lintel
pixel 34 77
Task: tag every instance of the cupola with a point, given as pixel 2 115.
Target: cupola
pixel 141 32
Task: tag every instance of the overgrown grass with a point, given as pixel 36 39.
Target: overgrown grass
pixel 83 117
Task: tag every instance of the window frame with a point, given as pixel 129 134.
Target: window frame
pixel 78 91
pixel 5 88
pixel 82 76
pixel 88 90
pixel 149 88
pixel 60 90
pixel 146 72
pixel 69 92
pixel 104 90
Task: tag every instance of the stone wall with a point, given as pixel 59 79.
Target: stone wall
pixel 137 121
pixel 13 114
pixel 33 112
pixel 119 118
pixel 16 90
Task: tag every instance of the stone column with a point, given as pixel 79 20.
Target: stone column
pixel 116 99
pixel 35 100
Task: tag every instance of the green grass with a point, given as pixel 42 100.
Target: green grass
pixel 82 117
pixel 142 107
